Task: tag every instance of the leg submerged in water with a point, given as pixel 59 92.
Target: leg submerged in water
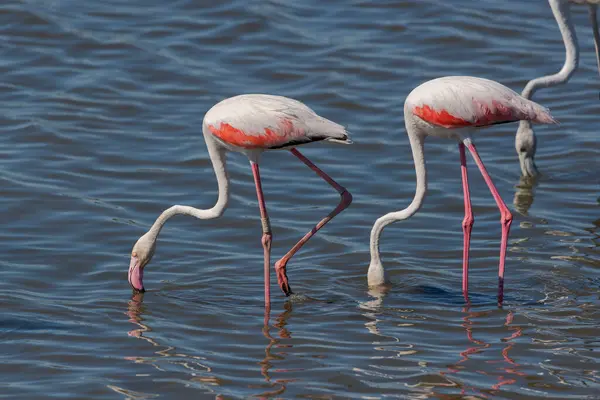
pixel 267 236
pixel 467 223
pixel 505 216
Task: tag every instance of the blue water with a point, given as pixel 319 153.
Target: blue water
pixel 102 108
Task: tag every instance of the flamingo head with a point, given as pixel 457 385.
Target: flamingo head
pixel 525 144
pixel 141 254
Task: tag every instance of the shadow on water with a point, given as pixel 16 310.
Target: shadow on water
pixel 20 325
pixel 433 294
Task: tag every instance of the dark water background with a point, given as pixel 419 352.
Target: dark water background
pixel 102 104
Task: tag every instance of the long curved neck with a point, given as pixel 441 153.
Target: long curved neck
pixel 217 157
pixel 594 20
pixel 562 14
pixel 416 143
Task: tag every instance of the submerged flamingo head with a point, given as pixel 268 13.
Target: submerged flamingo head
pixel 142 253
pixel 525 144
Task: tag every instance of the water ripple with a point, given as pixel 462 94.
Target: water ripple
pixel 103 105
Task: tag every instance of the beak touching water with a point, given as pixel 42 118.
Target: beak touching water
pixel 528 167
pixel 136 274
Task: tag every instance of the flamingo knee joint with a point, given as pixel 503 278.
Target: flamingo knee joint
pixel 346 197
pixel 267 238
pixel 506 218
pixel 468 222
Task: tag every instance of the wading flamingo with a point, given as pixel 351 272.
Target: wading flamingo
pixel 251 124
pixel 525 140
pixel 453 107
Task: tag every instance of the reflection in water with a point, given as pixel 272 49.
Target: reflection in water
pixel 508 368
pixel 524 195
pixel 375 307
pixel 481 345
pixel 279 385
pixel 135 311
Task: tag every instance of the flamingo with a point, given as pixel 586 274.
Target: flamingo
pixel 454 107
pixel 251 124
pixel 525 140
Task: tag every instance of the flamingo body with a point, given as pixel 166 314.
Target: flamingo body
pixel 454 102
pixel 251 124
pixel 254 123
pixel 454 107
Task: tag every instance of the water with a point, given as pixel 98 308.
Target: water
pixel 102 104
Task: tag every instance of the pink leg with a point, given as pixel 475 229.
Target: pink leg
pixel 346 199
pixel 505 216
pixel 267 236
pixel 467 223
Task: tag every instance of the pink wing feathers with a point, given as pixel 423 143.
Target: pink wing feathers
pixel 464 101
pixel 258 121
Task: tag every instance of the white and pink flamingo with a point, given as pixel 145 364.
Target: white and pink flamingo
pixel 454 107
pixel 449 107
pixel 525 140
pixel 251 124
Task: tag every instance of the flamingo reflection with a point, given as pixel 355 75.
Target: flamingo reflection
pixel 201 372
pixel 372 309
pixel 196 364
pixel 524 194
pixel 480 346
pixel 278 386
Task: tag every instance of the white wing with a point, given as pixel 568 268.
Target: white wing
pixel 273 121
pixel 459 101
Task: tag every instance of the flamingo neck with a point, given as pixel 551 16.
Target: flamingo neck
pixel 217 157
pixel 594 20
pixel 376 274
pixel 562 14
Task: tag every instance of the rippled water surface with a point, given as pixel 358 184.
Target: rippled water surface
pixel 102 105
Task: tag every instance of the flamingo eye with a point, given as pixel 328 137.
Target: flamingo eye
pixel 134 254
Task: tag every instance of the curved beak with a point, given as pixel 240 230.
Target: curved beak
pixel 136 275
pixel 528 167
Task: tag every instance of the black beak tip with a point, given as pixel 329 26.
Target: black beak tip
pixel 136 290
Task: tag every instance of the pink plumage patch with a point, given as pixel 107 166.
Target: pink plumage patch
pixel 485 115
pixel 251 140
pixel 440 118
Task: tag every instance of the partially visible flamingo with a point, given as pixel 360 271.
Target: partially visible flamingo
pixel 454 107
pixel 251 124
pixel 525 140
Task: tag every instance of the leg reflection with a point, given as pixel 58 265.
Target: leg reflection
pixel 509 373
pixel 513 370
pixel 278 386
